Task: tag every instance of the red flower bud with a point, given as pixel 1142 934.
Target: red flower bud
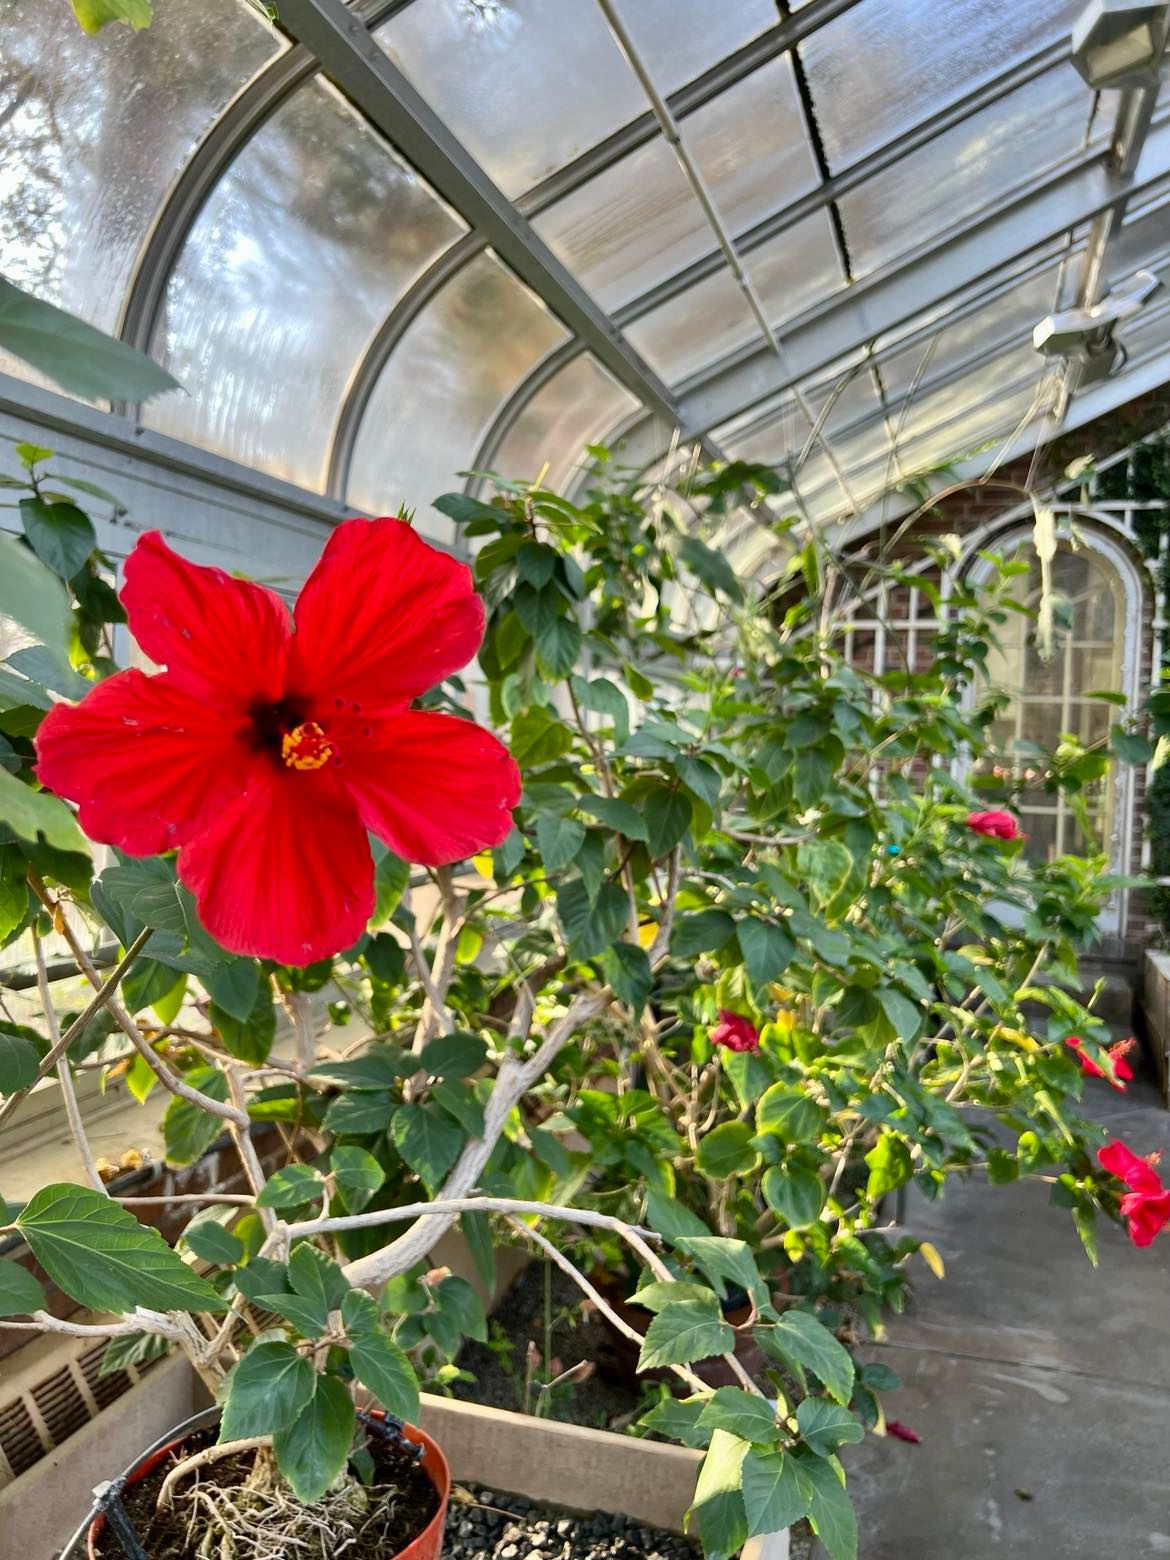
pixel 996 825
pixel 735 1032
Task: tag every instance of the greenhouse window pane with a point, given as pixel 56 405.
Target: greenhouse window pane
pixel 95 131
pixel 973 166
pixel 636 223
pixel 1008 401
pixel 1005 320
pixel 293 264
pixel 496 70
pixel 580 405
pixel 946 406
pixel 444 382
pixel 886 65
pixel 771 435
pixel 790 272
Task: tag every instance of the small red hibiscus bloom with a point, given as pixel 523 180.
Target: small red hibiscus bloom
pixel 995 825
pixel 1146 1206
pixel 735 1032
pixel 1122 1071
pixel 271 744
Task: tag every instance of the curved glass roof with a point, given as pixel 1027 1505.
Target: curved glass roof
pixel 387 243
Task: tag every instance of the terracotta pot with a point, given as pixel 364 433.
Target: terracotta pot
pixel 427 1546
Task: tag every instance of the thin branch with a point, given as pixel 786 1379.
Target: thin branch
pixel 139 1322
pixel 236 1199
pixel 441 1206
pixel 64 1075
pixel 105 992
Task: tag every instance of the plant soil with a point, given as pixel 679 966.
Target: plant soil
pixel 384 1528
pixel 611 1398
pixel 507 1527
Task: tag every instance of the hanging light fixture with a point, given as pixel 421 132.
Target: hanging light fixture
pixel 1120 43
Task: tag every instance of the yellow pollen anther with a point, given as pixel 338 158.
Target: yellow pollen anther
pixel 306 747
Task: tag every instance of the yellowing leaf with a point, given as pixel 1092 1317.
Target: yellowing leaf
pixel 94 14
pixel 647 932
pixel 934 1262
pixel 785 1021
pixel 483 865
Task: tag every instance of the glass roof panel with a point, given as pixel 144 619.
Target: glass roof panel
pixel 772 434
pixel 292 265
pixel 946 407
pixel 886 65
pixel 445 380
pixel 790 272
pixel 580 405
pixel 96 129
pixel 969 167
pixel 527 85
pixel 638 222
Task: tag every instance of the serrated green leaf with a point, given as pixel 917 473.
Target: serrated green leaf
pixel 99 1254
pixel 60 534
pixel 312 1451
pixel 668 817
pixel 19 1061
pixel 558 840
pixel 361 1112
pixel 428 1140
pixel 774 1494
pixel 704 932
pixel 189 1130
pixel 825 1426
pixel 789 1114
pixel 83 361
pixel 358 1175
pixel 767 949
pixel 454 1055
pixel 627 969
pixel 291 1187
pixel 380 1365
pixel 830 1509
pixel 93 15
pixel 802 1338
pixel 685 1331
pixel 615 814
pixel 36 815
pixel 20 1294
pixel 797 1194
pixel 208 1239
pixel 743 1414
pixel 726 1150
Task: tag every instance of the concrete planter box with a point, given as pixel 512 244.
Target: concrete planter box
pixel 1156 1007
pixel 541 1459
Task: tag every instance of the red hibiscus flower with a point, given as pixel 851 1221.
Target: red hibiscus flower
pixel 735 1032
pixel 1122 1071
pixel 995 825
pixel 1146 1206
pixel 270 745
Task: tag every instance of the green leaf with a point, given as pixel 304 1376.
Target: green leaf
pixel 308 1316
pixel 830 1509
pixel 20 1294
pixel 379 1068
pixel 679 1421
pixel 615 814
pixel 358 1175
pixel 313 1450
pixel 723 1257
pixel 824 867
pixel 132 1349
pixel 208 1239
pixel 906 1017
pixel 316 1277
pixel 33 596
pixel 742 1413
pixel 250 1039
pixel 60 534
pixel 605 698
pixel 558 840
pixel 461 509
pixel 627 970
pixel 558 648
pixel 380 1365
pixel 1130 747
pixel 726 1150
pixel 801 1338
pixel 83 361
pixel 33 814
pixel 477 1230
pixel 30 455
pixel 360 1112
pixel 456 1055
pixel 671 1218
pixel 718 1501
pixel 668 817
pixel 19 1060
pixel 391 875
pixel 797 1195
pixel 536 563
pixel 704 932
pixel 462 1307
pixel 44 667
pixel 657 1296
pixel 460 1100
pixel 99 1254
pixel 386 958
pixel 710 566
pixel 291 1187
pixel 767 949
pixel 688 1330
pixel 789 1114
pixel 825 1426
pixel 266 1392
pixel 774 1493
pixel 232 986
pixel 890 1165
pixel 590 928
pixel 189 1130
pixel 93 15
pixel 428 1141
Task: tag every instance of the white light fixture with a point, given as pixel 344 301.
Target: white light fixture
pixel 1087 335
pixel 1120 43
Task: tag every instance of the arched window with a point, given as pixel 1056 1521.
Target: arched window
pixel 1096 611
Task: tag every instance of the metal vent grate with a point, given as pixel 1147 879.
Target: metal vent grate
pixel 42 1413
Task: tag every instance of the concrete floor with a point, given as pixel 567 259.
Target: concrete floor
pixel 1040 1386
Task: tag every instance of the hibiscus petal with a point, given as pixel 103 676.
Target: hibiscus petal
pixel 1138 1174
pixel 383 617
pixel 434 787
pixel 285 871
pixel 146 762
pixel 1146 1216
pixel 222 639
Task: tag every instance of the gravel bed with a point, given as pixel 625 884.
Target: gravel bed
pixel 517 1529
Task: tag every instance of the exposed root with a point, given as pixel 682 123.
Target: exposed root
pixel 262 1520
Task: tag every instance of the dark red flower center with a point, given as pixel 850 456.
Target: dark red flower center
pixel 282 731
